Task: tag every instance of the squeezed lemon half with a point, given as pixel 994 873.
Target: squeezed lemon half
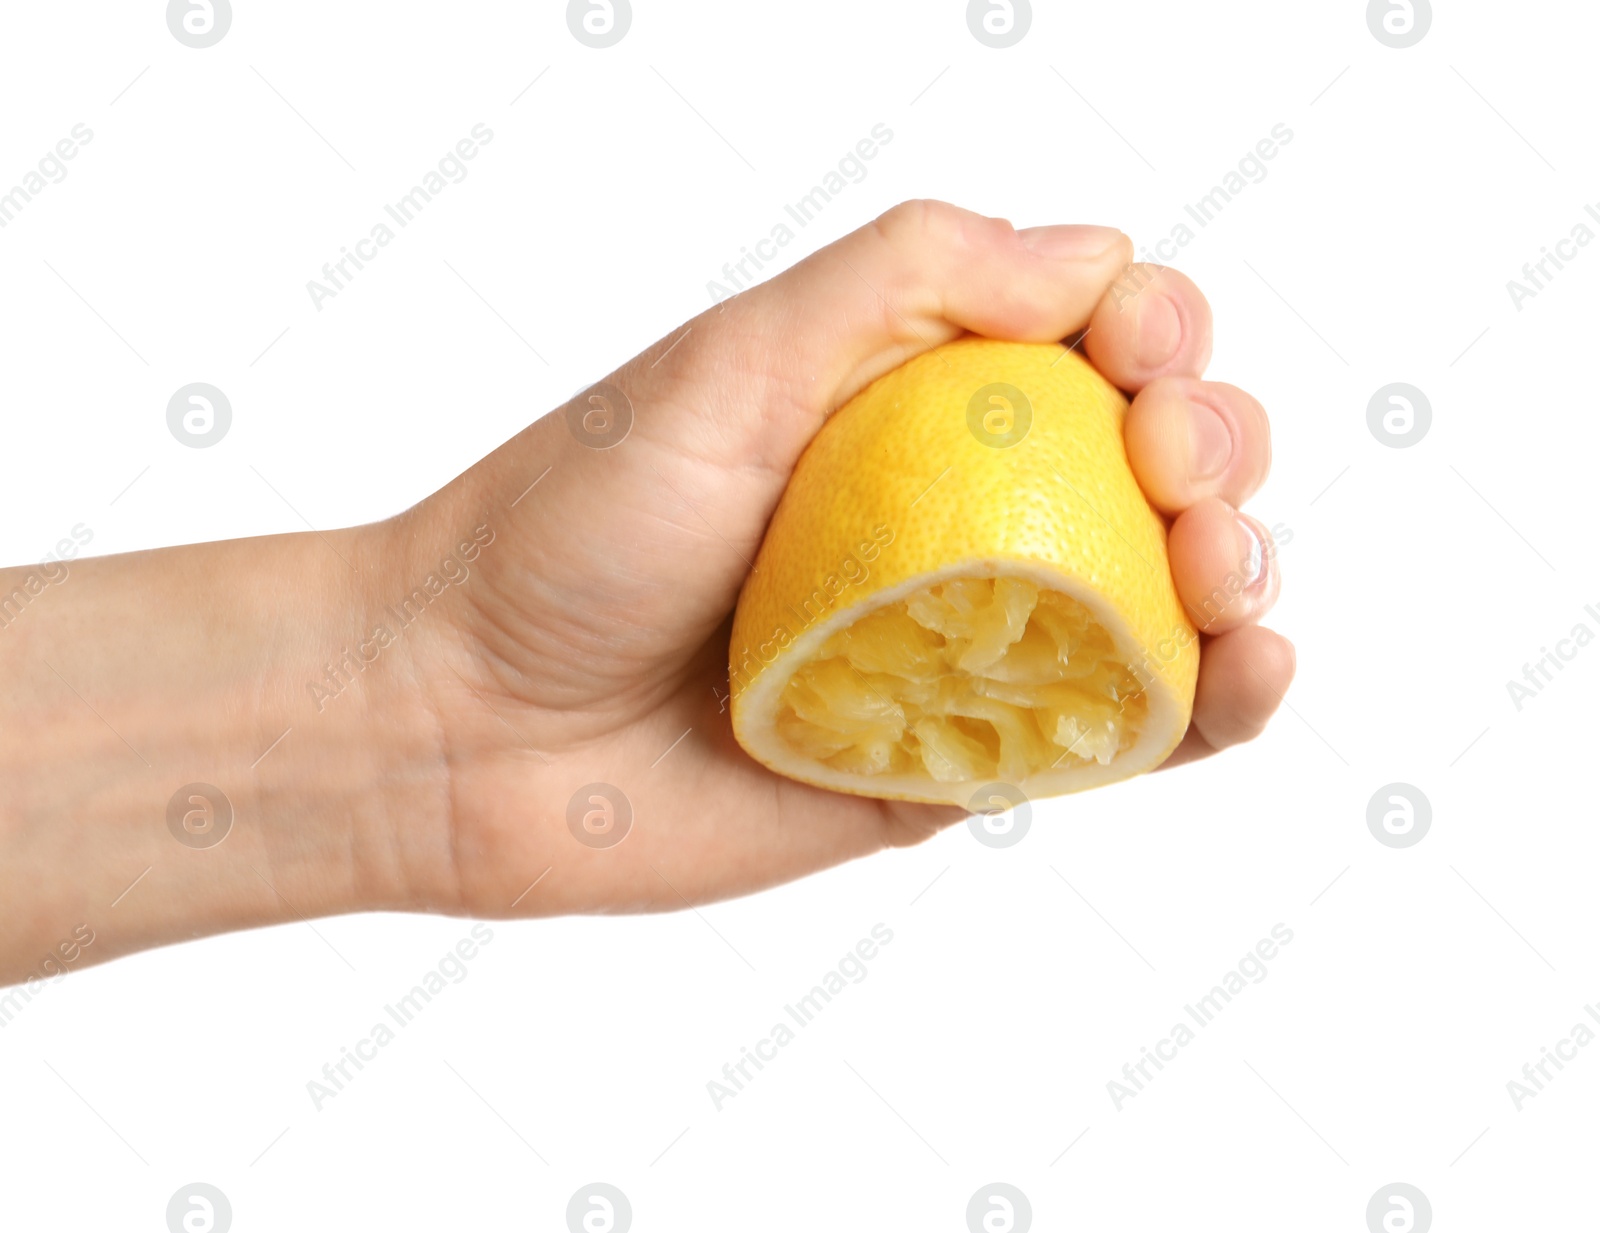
pixel 962 586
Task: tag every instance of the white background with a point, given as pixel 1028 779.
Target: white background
pixel 978 1048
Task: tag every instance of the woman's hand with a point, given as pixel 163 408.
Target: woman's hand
pixel 406 715
pixel 592 646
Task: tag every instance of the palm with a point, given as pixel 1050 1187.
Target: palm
pixel 696 819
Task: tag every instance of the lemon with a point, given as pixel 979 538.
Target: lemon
pixel 962 588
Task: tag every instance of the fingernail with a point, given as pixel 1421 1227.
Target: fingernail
pixel 1160 331
pixel 1253 554
pixel 1210 442
pixel 1069 242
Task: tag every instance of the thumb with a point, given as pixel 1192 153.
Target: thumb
pixel 694 439
pixel 803 343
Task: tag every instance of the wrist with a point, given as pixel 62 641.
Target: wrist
pixel 172 740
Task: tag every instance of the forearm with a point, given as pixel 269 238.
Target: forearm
pixel 132 677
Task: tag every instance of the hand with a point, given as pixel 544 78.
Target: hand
pixel 579 637
pixel 594 646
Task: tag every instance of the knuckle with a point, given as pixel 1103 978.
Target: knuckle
pixel 912 226
pixel 910 221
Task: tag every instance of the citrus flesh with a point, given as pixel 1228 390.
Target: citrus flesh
pixel 963 586
pixel 967 681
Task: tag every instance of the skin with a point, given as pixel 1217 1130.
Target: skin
pixel 580 643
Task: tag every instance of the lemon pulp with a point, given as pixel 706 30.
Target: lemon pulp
pixel 966 680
